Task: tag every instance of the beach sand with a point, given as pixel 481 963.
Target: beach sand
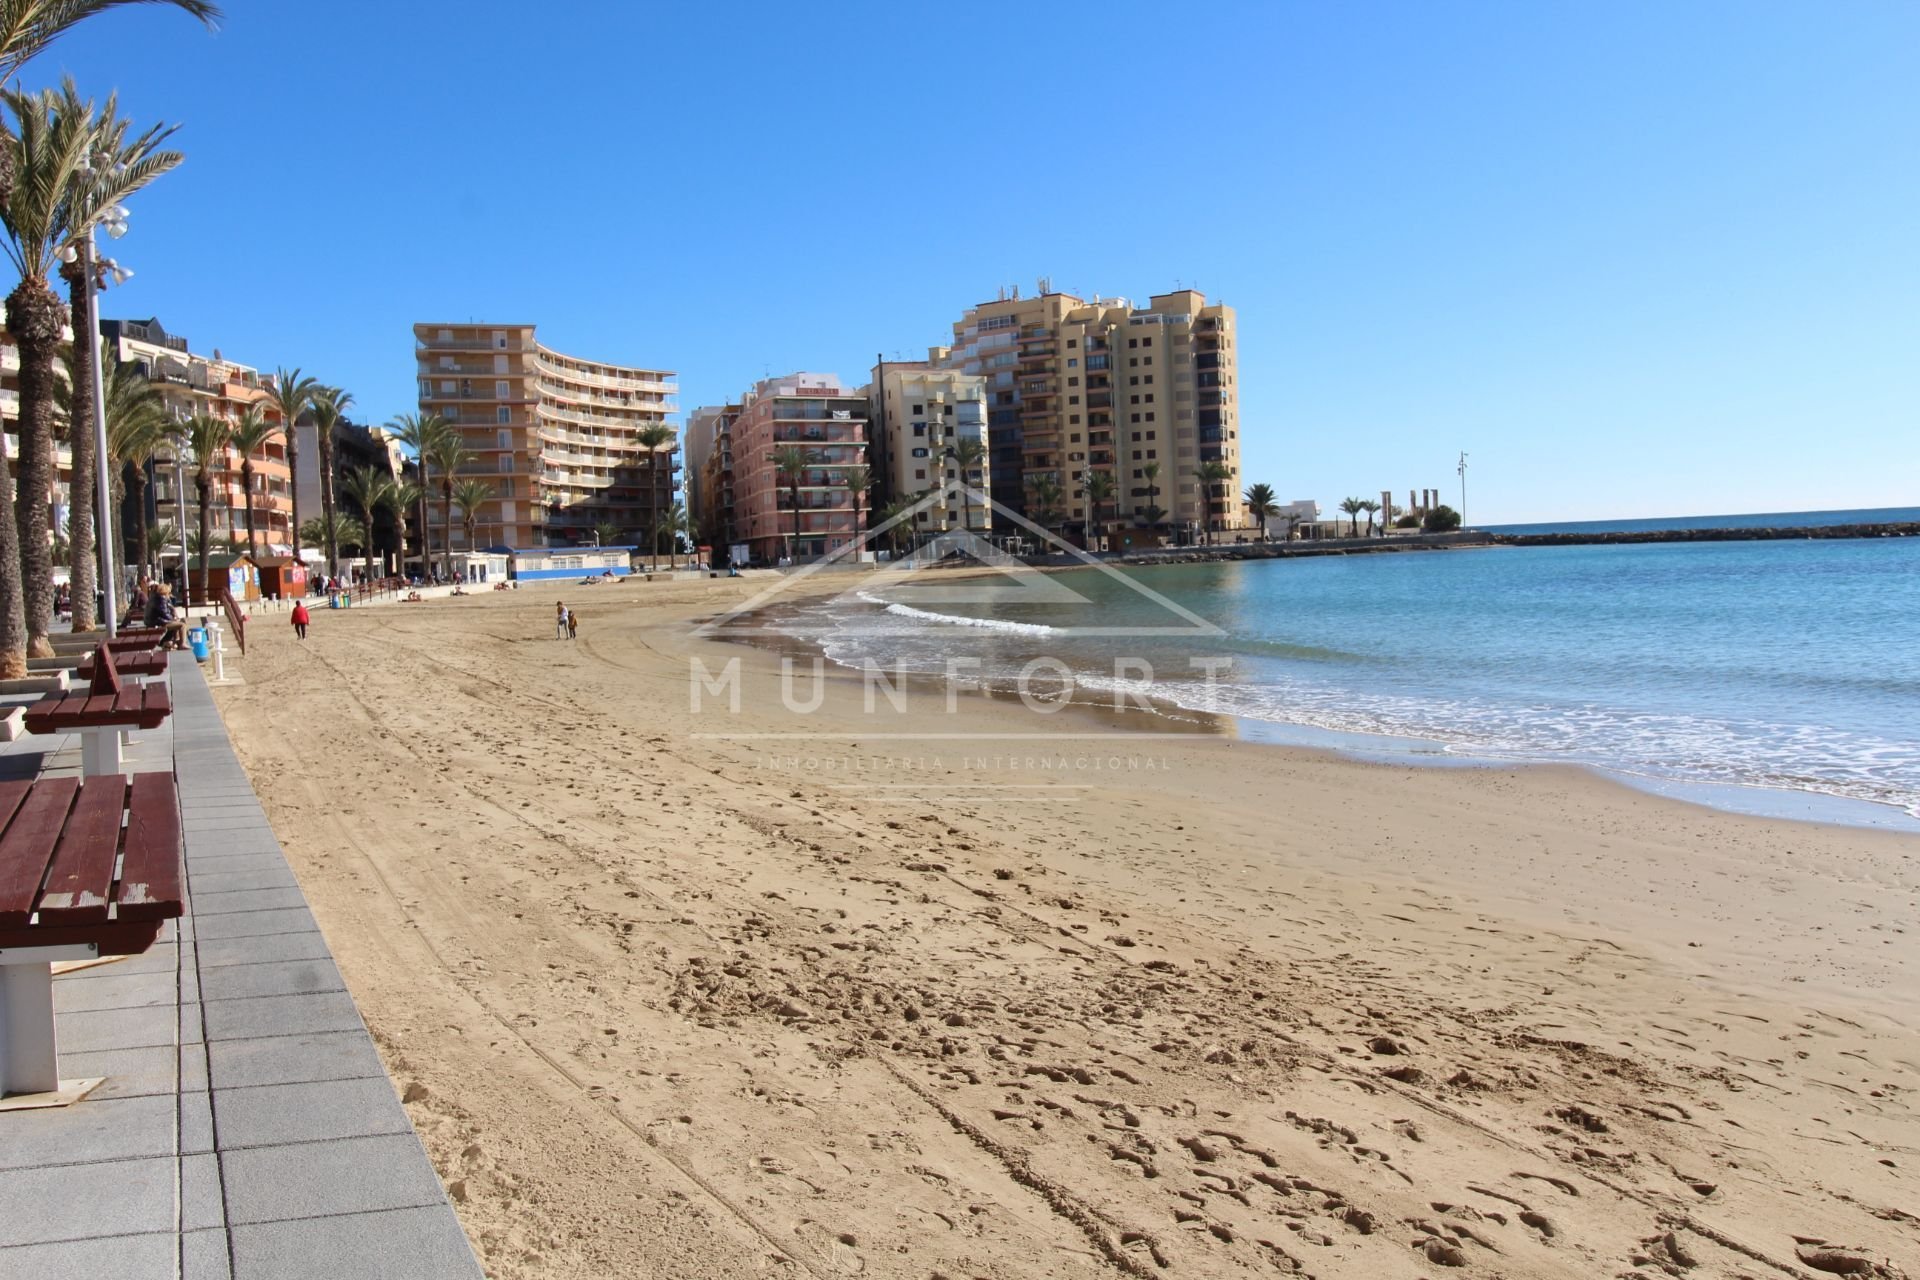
pixel 667 1003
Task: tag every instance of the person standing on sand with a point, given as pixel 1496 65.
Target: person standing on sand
pixel 300 619
pixel 559 620
pixel 573 624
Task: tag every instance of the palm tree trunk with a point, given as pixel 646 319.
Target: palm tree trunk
pixel 291 434
pixel 326 507
pixel 35 318
pixel 793 555
pixel 201 486
pixel 80 530
pixel 13 619
pixel 140 507
pixel 653 507
pixel 246 479
pixel 446 522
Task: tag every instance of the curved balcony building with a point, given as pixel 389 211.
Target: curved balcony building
pixel 560 438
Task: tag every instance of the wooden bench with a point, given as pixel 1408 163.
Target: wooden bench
pixel 130 639
pixel 87 869
pixel 138 664
pixel 99 714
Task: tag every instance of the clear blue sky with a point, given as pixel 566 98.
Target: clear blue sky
pixel 1636 258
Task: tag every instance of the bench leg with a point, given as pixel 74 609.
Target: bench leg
pixel 99 752
pixel 29 1060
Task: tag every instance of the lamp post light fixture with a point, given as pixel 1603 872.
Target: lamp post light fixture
pixel 97 272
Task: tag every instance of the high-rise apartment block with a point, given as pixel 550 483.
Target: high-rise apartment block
pixel 563 441
pixel 824 425
pixel 709 474
pixel 922 421
pixel 1146 395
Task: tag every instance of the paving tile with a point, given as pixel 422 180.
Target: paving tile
pixel 117 1129
pixel 130 1073
pixel 419 1244
pixel 262 877
pixel 117 1029
pixel 315 1179
pixel 334 1055
pixel 141 1257
pixel 250 924
pixel 202 1203
pixel 124 991
pixel 204 847
pixel 193 1067
pixel 273 978
pixel 243 900
pixel 196 1122
pixel 162 957
pixel 282 1016
pixel 76 1202
pixel 260 949
pixel 203 1256
pixel 276 1114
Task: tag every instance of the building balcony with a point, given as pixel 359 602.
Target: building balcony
pixel 634 382
pixel 471 344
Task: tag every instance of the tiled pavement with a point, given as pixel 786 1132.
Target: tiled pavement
pixel 246 1130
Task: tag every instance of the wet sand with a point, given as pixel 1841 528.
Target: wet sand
pixel 674 1001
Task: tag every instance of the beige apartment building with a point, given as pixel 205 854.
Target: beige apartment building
pixel 918 414
pixel 558 437
pixel 1146 394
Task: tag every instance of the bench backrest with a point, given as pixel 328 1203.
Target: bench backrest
pixel 106 673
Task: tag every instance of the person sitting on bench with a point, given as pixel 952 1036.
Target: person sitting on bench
pixel 161 613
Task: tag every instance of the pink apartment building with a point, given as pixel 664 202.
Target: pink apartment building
pixel 812 412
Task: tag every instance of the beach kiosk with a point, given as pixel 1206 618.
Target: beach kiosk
pixel 282 577
pixel 235 571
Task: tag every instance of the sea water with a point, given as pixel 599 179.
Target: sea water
pixel 1737 668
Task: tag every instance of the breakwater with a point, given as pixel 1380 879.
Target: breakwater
pixel 1773 533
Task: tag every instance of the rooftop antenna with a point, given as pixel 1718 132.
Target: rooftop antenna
pixel 1463 488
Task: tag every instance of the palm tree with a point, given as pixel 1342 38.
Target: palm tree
pixel 208 437
pixel 968 454
pixel 1045 493
pixel 471 495
pixel 859 482
pixel 328 406
pixel 111 150
pixel 672 523
pixel 250 435
pixel 888 518
pixel 29 26
pixel 137 428
pixel 292 395
pixel 651 437
pixel 132 404
pixel 1353 507
pixel 58 194
pixel 347 532
pixel 1370 507
pixel 446 453
pixel 1211 475
pixel 409 496
pixel 1261 504
pixel 371 490
pixel 1097 486
pixel 791 464
pixel 418 431
pixel 1154 513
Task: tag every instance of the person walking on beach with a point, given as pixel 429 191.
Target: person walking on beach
pixel 573 624
pixel 300 619
pixel 559 620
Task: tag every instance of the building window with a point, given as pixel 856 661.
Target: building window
pixel 1074 438
pixel 919 410
pixel 920 452
pixel 1146 342
pixel 1071 344
pixel 1073 399
pixel 920 473
pixel 1074 381
pixel 1073 419
pixel 919 428
pixel 1135 400
pixel 1133 342
pixel 1149 416
pixel 1136 417
pixel 503 414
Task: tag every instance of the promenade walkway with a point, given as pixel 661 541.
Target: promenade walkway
pixel 247 1129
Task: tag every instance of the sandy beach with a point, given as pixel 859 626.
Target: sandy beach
pixel 675 995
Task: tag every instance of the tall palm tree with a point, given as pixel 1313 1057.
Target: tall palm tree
pixel 1045 494
pixel 347 531
pixel 292 395
pixel 470 496
pixel 328 406
pixel 208 437
pixel 1154 512
pixel 418 431
pixel 1371 508
pixel 1261 504
pixel 859 482
pixel 1098 488
pixel 136 432
pixel 250 435
pixel 968 455
pixel 29 26
pixel 1210 476
pixel 791 465
pixel 651 438
pixel 1353 507
pixel 446 453
pixel 671 524
pixel 131 403
pixel 409 496
pixel 53 202
pixel 371 490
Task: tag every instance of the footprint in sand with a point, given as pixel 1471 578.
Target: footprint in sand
pixel 839 1248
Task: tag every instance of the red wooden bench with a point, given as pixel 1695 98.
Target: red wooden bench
pixel 99 714
pixel 87 869
pixel 140 663
pixel 130 639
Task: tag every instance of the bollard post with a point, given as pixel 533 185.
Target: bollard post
pixel 218 639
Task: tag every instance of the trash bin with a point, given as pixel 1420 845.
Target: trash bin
pixel 197 638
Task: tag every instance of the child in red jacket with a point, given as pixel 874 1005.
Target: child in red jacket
pixel 300 619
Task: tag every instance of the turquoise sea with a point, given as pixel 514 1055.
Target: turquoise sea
pixel 1743 673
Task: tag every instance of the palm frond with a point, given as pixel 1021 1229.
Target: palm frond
pixel 29 26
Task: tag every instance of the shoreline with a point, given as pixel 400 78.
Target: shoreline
pixel 681 1007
